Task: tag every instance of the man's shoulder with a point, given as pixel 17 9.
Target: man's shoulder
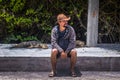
pixel 70 27
pixel 55 27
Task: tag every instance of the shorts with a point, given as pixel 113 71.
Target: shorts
pixel 59 54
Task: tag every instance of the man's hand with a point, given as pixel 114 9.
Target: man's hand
pixel 63 55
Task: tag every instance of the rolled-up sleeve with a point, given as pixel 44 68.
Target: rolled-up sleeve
pixel 54 40
pixel 72 40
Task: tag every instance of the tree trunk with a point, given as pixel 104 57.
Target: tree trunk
pixel 92 24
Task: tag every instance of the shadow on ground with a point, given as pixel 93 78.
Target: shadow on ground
pixel 67 73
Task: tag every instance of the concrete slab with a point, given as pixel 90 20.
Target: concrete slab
pixel 99 51
pixel 104 57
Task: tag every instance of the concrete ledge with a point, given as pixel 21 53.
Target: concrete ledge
pixel 88 59
pixel 24 64
pixel 43 64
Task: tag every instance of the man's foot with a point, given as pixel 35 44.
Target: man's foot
pixel 73 74
pixel 52 74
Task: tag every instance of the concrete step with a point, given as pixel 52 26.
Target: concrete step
pixel 88 59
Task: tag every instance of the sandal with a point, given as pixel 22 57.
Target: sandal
pixel 73 74
pixel 52 74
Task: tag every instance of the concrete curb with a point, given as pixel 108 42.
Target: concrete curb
pixel 43 64
pixel 88 59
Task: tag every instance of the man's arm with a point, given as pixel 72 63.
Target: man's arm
pixel 72 43
pixel 54 40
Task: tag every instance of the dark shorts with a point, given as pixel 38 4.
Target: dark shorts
pixel 59 54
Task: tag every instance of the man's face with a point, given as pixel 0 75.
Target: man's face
pixel 63 23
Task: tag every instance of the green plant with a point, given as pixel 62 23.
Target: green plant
pixel 19 38
pixel 29 16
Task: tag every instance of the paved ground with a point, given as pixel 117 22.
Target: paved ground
pixel 84 75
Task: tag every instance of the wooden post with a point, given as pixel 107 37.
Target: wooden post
pixel 92 24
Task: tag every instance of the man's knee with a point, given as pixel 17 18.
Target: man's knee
pixel 73 52
pixel 54 51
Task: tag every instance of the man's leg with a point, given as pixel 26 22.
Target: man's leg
pixel 73 59
pixel 53 62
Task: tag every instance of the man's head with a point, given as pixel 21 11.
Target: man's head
pixel 62 19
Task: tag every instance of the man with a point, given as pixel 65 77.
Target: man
pixel 63 43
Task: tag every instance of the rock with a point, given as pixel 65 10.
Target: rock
pixel 30 44
pixel 80 43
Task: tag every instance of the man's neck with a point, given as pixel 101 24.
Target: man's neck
pixel 62 28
